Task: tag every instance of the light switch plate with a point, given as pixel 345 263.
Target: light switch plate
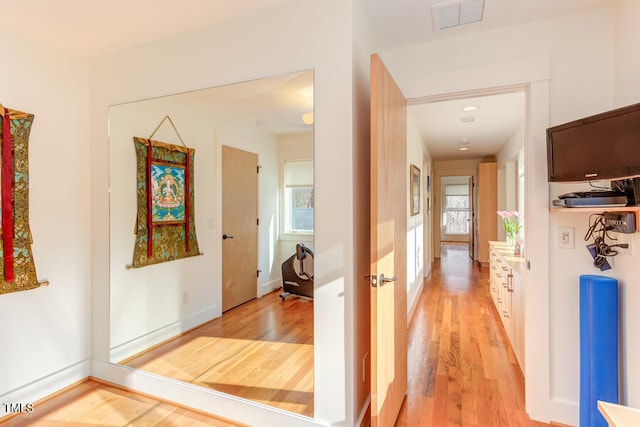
pixel 565 237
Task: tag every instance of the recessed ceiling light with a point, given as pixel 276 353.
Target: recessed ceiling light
pixel 463 148
pixel 470 108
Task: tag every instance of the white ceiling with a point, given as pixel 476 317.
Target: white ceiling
pixel 273 104
pixel 496 120
pixel 406 22
pixel 92 28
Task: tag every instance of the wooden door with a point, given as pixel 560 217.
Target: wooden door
pixel 472 228
pixel 389 173
pixel 239 227
pixel 487 208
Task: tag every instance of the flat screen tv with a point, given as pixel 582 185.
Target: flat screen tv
pixel 603 146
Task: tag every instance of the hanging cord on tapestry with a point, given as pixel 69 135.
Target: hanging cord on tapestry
pixel 172 125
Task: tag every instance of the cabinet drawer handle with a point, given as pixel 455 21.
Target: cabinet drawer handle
pixel 505 314
pixel 504 268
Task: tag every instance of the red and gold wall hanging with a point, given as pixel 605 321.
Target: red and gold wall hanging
pixel 17 269
pixel 165 227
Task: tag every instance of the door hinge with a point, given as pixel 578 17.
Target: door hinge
pixel 258 169
pixel 258 273
pixel 257 221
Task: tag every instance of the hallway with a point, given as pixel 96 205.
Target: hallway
pixel 462 370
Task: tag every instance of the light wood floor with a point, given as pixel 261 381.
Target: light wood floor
pixel 93 403
pixel 261 351
pixel 462 371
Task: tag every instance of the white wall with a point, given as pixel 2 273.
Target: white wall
pixel 580 52
pixel 507 159
pixel 626 269
pixel 46 334
pixel 415 223
pixel 264 44
pixel 627 59
pixel 428 179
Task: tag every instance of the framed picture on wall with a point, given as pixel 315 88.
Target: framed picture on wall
pixel 414 182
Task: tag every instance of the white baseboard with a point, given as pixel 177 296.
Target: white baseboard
pixel 43 387
pixel 564 412
pixel 141 343
pixel 414 295
pixel 270 286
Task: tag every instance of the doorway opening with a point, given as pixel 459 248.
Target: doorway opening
pixel 460 131
pixel 456 209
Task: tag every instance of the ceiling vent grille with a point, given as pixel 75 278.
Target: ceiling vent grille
pixel 456 13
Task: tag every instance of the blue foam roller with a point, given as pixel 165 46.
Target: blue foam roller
pixel 598 346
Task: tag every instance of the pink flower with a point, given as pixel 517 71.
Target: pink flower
pixel 511 221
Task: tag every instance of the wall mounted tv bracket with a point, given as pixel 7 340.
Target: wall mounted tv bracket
pixel 620 222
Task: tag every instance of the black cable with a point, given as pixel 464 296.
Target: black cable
pixel 599 231
pixel 597 227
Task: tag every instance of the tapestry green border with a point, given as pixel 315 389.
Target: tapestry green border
pixel 24 269
pixel 168 240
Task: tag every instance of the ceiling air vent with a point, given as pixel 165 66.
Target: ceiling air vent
pixel 456 13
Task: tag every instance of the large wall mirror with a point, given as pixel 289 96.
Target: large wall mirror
pixel 218 319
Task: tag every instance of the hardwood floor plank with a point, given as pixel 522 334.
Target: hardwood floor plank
pixel 261 351
pixel 93 403
pixel 462 370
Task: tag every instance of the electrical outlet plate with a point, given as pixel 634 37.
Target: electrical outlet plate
pixel 629 239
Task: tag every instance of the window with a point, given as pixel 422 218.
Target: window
pixel 456 209
pixel 298 196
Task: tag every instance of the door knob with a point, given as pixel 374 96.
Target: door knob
pixel 226 236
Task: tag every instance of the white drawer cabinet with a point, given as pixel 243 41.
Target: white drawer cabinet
pixel 507 287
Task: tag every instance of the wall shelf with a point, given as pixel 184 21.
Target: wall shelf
pixel 600 209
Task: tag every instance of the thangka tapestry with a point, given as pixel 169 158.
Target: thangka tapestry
pixel 17 269
pixel 165 228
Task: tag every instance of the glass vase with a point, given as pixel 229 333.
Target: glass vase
pixel 511 240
